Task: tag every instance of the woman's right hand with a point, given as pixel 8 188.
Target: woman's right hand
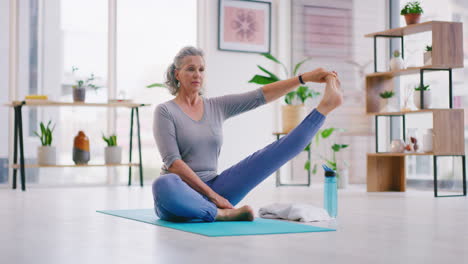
pixel 318 75
pixel 220 202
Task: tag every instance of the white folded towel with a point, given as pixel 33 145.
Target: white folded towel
pixel 294 212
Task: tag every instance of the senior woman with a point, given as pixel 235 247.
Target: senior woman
pixel 188 133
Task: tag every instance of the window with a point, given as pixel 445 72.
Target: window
pixel 149 34
pixel 4 78
pixel 58 35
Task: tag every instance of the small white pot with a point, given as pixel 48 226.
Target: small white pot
pixel 427 99
pixel 428 58
pixel 396 64
pixel 113 155
pixel 389 105
pixel 343 178
pixel 427 140
pixel 46 155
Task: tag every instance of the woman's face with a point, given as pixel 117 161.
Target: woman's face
pixel 191 73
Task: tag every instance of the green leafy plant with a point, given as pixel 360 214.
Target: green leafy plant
pixel 111 140
pixel 422 88
pixel 155 85
pixel 396 53
pixel 429 48
pixel 387 94
pixel 46 134
pixel 412 8
pixel 88 82
pixel 332 163
pixel 320 136
pixel 301 93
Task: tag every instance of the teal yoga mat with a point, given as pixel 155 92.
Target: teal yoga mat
pixel 259 226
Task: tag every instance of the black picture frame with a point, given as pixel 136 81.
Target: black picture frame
pixel 245 42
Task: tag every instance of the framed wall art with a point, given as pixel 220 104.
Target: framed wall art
pixel 244 26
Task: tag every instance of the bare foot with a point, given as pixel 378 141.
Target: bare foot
pixel 333 96
pixel 245 213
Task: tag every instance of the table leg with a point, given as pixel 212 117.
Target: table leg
pixel 139 147
pixel 15 148
pixel 130 150
pixel 20 132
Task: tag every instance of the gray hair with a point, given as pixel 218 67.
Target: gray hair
pixel 171 82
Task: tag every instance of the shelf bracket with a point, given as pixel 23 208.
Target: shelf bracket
pixel 387 36
pixel 421 72
pixel 436 194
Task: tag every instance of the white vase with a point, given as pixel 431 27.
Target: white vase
pixel 427 140
pixel 113 155
pixel 428 58
pixel 389 105
pixel 427 99
pixel 396 64
pixel 343 178
pixel 46 155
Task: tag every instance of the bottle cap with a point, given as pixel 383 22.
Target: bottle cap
pixel 328 172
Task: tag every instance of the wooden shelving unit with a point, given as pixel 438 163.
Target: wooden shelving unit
pixel 386 171
pixel 18 162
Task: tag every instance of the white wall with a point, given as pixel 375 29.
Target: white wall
pixel 228 72
pixel 4 89
pixel 4 42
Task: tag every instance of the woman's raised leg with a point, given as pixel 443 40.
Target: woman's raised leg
pixel 237 181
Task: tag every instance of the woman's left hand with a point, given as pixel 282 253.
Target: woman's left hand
pixel 318 75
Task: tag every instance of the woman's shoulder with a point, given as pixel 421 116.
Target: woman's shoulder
pixel 165 108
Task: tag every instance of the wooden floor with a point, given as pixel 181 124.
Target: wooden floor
pixel 60 225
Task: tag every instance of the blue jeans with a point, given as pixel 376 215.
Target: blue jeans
pixel 176 201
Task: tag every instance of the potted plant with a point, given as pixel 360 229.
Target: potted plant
pixel 412 12
pixel 79 89
pixel 427 96
pixel 387 97
pixel 397 63
pixel 46 152
pixel 113 153
pixel 294 111
pixel 428 55
pixel 342 168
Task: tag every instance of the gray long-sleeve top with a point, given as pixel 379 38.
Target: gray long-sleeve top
pixel 198 143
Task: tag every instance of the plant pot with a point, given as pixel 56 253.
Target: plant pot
pixel 396 64
pixel 113 155
pixel 46 155
pixel 292 116
pixel 79 94
pixel 427 140
pixel 427 99
pixel 389 105
pixel 428 58
pixel 412 19
pixel 343 178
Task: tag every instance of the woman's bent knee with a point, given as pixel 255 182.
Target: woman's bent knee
pixel 165 182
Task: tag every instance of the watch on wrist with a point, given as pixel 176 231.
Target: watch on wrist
pixel 300 79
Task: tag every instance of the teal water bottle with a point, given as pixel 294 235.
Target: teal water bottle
pixel 330 194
